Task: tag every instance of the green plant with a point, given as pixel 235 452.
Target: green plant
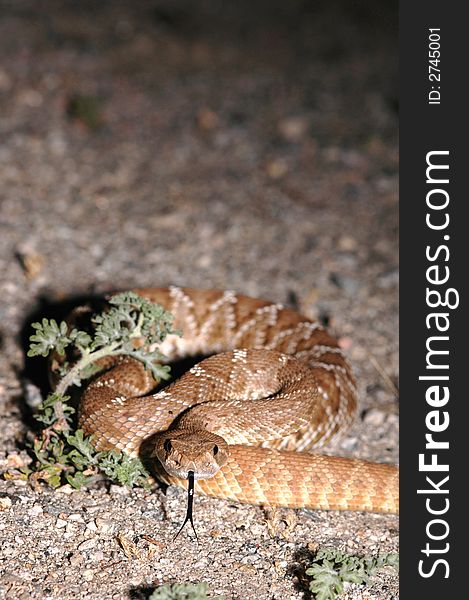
pixel 132 326
pixel 331 568
pixel 183 591
pixel 86 109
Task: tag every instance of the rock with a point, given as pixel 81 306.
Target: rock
pixel 207 119
pixel 60 523
pixel 374 417
pixel 87 544
pixel 276 168
pixel 5 503
pixel 293 129
pixel 76 559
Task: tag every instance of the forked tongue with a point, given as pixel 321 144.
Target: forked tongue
pixel 190 504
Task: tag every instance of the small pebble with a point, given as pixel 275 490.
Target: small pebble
pixel 76 517
pixel 5 503
pixel 120 490
pixel 207 119
pixel 104 525
pixel 276 168
pixel 35 511
pixel 97 556
pixel 60 523
pixel 347 243
pixel 374 417
pixel 91 526
pixel 293 129
pixel 349 443
pixel 76 559
pixel 87 544
pixel 257 530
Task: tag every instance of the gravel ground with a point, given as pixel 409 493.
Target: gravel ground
pixel 247 145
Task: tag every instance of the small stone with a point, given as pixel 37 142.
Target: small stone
pixel 87 544
pixel 30 97
pixel 216 533
pixel 76 559
pixel 88 574
pixel 246 568
pixel 35 510
pixel 345 343
pixel 204 261
pixel 71 531
pixel 76 517
pixel 293 129
pixel 5 503
pixel 120 490
pixel 17 461
pixel 60 523
pixel 104 525
pixel 91 526
pixel 97 556
pixel 347 243
pixel 276 168
pixel 207 119
pixel 31 262
pixel 257 530
pixel 349 443
pixel 200 564
pixel 389 278
pixel 374 417
pixel 358 353
pixel 5 81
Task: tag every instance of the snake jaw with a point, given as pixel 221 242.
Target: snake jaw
pixel 198 451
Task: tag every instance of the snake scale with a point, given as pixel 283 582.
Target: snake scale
pixel 243 420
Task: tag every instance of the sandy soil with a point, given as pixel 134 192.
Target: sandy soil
pixel 247 145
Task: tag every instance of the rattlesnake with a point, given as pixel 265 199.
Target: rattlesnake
pixel 243 419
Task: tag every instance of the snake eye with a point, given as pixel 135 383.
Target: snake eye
pixel 215 450
pixel 168 446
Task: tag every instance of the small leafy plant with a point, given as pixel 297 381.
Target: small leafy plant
pixel 331 568
pixel 85 109
pixel 183 591
pixel 133 326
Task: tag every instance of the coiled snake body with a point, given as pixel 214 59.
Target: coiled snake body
pixel 243 419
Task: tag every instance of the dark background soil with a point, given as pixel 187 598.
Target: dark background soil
pixel 243 145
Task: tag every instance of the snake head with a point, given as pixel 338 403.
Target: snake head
pixel 199 451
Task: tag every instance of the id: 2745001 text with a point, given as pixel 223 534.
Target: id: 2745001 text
pixel 434 73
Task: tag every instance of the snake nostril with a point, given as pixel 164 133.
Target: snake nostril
pixel 215 450
pixel 167 446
